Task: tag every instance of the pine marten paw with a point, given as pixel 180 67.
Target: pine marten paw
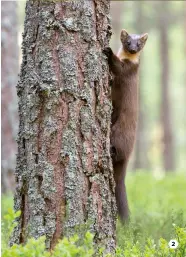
pixel 107 51
pixel 112 151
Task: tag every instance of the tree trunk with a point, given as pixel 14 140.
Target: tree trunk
pixel 9 72
pixel 116 10
pixel 168 146
pixel 184 26
pixel 140 157
pixel 64 170
pixel 185 41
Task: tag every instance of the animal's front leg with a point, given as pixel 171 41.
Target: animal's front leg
pixel 113 61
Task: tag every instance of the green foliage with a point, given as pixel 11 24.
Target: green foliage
pixel 8 223
pixel 6 202
pixel 157 204
pixel 72 247
pixel 33 247
pixel 151 249
pixel 64 248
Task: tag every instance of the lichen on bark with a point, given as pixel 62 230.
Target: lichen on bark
pixel 64 170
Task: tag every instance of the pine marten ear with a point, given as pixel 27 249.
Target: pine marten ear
pixel 144 37
pixel 124 35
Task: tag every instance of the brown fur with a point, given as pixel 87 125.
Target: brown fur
pixel 124 117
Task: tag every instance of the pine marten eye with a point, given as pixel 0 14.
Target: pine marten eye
pixel 138 44
pixel 128 42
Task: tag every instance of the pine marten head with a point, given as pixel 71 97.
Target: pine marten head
pixel 132 45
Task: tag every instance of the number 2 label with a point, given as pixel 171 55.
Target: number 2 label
pixel 173 244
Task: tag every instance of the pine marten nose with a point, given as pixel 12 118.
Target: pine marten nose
pixel 132 51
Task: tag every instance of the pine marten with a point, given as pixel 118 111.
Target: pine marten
pixel 124 68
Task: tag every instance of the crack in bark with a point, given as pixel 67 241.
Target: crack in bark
pixel 96 19
pixel 36 34
pixel 22 219
pixel 24 216
pixel 40 121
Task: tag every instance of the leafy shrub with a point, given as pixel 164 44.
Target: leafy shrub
pixel 151 249
pixel 65 248
pixel 71 248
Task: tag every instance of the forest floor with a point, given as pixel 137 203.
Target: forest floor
pixel 158 214
pixel 156 204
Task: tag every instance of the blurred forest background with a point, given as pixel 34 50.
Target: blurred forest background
pixel 161 137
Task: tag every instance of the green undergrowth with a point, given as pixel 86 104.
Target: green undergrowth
pixel 158 214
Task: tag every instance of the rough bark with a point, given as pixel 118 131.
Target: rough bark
pixel 167 139
pixel 9 72
pixel 64 172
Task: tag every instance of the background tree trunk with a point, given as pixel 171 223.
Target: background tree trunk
pixel 64 171
pixel 140 157
pixel 168 145
pixel 9 72
pixel 185 41
pixel 116 12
